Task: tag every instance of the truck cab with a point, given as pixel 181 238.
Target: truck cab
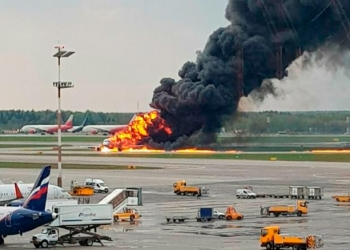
pixel 267 236
pixel 48 236
pixel 98 185
pixel 302 206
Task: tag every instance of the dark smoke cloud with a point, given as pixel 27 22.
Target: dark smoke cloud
pixel 209 90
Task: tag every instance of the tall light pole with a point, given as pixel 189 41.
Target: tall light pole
pixel 60 85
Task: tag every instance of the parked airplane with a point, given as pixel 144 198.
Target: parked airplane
pixel 76 129
pixel 111 129
pixel 9 195
pixel 18 220
pixel 50 129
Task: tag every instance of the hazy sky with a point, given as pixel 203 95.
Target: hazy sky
pixel 123 48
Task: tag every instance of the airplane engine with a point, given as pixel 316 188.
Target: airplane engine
pixel 32 131
pixel 94 132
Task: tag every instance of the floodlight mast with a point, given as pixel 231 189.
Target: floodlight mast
pixel 60 85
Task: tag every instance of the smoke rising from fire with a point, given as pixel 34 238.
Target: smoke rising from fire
pixel 209 89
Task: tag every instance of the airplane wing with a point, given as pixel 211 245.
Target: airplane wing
pixel 39 129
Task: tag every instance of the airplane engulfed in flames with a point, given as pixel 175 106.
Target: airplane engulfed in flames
pixel 138 132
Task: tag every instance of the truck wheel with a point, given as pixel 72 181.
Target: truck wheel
pixel 269 246
pixel 295 247
pixel 178 193
pixel 82 243
pixel 106 191
pixel 44 244
pixel 221 217
pixel 89 242
pixel 132 217
pixel 229 217
pixel 116 218
pixel 238 197
pixel 277 214
pixel 299 214
pixel 36 245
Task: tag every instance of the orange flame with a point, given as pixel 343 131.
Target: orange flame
pixel 138 131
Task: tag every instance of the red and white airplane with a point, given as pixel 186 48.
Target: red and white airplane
pixel 50 129
pixel 110 129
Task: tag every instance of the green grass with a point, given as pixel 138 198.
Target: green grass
pixel 49 138
pixel 70 166
pixel 286 139
pixel 242 139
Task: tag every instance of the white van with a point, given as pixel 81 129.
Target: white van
pixel 98 184
pixel 245 194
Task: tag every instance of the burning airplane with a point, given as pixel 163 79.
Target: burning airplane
pixel 264 37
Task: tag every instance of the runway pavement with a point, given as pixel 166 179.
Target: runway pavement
pixel 223 177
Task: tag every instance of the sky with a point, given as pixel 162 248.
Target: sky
pixel 123 49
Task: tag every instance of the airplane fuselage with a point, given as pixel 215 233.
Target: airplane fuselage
pixel 19 220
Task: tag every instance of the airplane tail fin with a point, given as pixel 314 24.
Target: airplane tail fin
pixel 37 197
pixel 18 192
pixel 85 121
pixel 69 122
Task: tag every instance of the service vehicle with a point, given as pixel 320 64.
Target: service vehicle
pixel 205 214
pixel 218 215
pixel 98 184
pixel 299 209
pixel 181 188
pixel 232 214
pixel 271 238
pixel 341 198
pixel 127 214
pixel 80 221
pixel 245 194
pixel 80 190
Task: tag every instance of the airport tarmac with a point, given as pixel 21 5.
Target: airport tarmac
pixel 223 177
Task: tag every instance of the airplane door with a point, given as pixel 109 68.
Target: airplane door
pixel 55 193
pixel 8 219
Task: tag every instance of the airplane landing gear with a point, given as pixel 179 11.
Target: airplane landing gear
pixel 1 240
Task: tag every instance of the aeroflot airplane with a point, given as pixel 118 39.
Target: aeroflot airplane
pixel 17 192
pixel 18 220
pixel 110 129
pixel 50 129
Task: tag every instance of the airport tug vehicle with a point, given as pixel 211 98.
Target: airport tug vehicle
pixel 270 238
pixel 299 209
pixel 232 214
pixel 127 214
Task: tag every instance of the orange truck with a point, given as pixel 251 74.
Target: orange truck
pixel 270 238
pixel 299 209
pixel 180 188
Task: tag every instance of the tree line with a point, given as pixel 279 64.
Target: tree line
pixel 323 122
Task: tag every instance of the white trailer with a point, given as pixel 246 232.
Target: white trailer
pixel 78 220
pixel 51 203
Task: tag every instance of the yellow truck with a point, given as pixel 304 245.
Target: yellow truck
pixel 270 238
pixel 128 214
pixel 181 188
pixel 299 209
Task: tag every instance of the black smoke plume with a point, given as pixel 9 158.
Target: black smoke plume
pixel 209 90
